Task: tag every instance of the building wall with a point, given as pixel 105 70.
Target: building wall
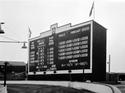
pixel 99 52
pixel 15 70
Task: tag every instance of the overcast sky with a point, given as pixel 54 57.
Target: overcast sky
pixel 18 15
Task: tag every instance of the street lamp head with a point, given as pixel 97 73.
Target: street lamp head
pixel 24 45
pixel 1 31
pixel 2 23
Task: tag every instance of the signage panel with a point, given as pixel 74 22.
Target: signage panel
pixel 68 50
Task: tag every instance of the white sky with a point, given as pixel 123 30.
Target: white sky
pixel 40 14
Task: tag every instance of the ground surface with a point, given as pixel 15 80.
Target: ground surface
pixel 62 87
pixel 121 86
pixel 26 88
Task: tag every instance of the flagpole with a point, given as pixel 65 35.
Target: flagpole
pixel 29 35
pixel 94 11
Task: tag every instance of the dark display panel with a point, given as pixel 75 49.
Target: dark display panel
pixel 61 51
pixel 41 55
pixel 74 49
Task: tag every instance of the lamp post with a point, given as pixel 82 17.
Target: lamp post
pixel 2 32
pixel 5 73
pixel 70 72
pixel 5 66
pixel 24 43
pixel 109 64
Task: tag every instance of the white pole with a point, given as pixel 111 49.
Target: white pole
pixel 109 63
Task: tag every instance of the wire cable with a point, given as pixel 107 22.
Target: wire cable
pixel 13 42
pixel 9 38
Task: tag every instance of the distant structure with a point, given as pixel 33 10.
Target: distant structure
pixel 69 52
pixel 15 69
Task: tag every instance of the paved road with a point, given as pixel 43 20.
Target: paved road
pixel 96 87
pixel 21 88
pixel 121 86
